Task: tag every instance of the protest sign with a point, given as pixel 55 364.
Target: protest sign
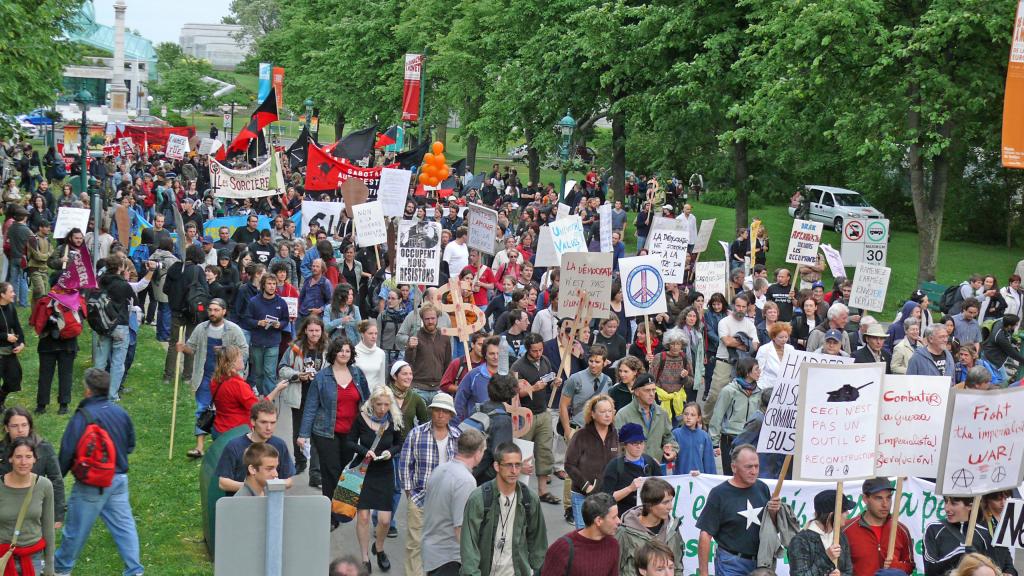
pixel 1010 530
pixel 668 240
pixel 546 255
pixel 869 286
pixel 982 449
pixel 778 430
pixel 207 146
pixel 564 211
pixel 293 306
pixel 910 419
pixel 835 261
pixel 228 183
pixel 567 235
pixel 803 242
pixel 68 218
pixel 605 213
pixel 837 427
pixel 590 272
pixel 419 253
pixel 725 248
pixel 643 287
pixel 326 214
pixel 393 190
pixel 704 235
pixel 710 277
pixel 569 185
pixel 126 144
pixel 919 507
pixel 177 146
pixel 368 220
pixel 482 223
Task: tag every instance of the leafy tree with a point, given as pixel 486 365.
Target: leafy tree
pixel 33 50
pixel 182 87
pixel 256 17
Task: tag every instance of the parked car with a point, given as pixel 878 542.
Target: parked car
pixel 832 206
pixel 20 126
pixel 519 153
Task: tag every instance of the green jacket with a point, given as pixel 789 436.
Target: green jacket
pixel 632 535
pixel 39 251
pixel 659 433
pixel 733 410
pixel 480 525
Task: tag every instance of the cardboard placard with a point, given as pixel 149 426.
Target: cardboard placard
pixel 207 146
pixel 711 277
pixel 353 192
pixel 835 261
pixel 870 284
pixel 604 212
pixel 668 239
pixel 418 253
pixel 910 423
pixel 803 242
pixel 590 272
pixel 643 287
pixel 177 146
pixel 368 220
pixel 982 447
pixel 707 227
pixel 394 190
pixel 327 214
pixel 68 218
pixel 546 255
pixel 482 223
pixel 567 235
pixel 293 306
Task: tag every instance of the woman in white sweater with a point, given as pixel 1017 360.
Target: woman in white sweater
pixel 370 358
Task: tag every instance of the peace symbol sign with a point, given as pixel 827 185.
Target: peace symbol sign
pixel 644 286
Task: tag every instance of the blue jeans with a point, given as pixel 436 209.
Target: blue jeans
pixel 19 279
pixel 727 564
pixel 428 396
pixel 112 350
pixel 163 322
pixel 577 509
pixel 203 399
pixel 85 504
pixel 263 368
pixel 640 242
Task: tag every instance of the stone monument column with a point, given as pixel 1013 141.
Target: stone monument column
pixel 118 90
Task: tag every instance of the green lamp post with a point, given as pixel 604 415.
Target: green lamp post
pixel 309 111
pixel 565 127
pixel 83 99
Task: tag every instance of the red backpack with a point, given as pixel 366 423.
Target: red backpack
pixel 95 455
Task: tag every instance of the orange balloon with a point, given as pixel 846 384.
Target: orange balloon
pixel 439 160
pixel 423 178
pixel 437 147
pixel 428 158
pixel 434 181
pixel 430 170
pixel 444 173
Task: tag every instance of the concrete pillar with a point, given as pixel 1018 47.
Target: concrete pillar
pixel 118 91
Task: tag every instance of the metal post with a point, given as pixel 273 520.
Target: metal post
pixel 275 528
pixel 423 91
pixel 231 128
pixel 83 151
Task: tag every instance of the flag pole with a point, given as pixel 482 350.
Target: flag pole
pixel 837 527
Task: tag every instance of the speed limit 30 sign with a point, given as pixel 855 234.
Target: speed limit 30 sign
pixel 865 241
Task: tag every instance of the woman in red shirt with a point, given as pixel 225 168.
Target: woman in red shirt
pixel 233 397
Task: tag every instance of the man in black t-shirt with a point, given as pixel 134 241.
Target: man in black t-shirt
pixel 732 517
pixel 231 469
pixel 262 250
pixel 780 293
pixel 248 234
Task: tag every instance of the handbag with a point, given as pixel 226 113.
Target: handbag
pixel 205 419
pixel 345 499
pixel 17 526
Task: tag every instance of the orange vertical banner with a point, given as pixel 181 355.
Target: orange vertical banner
pixel 277 80
pixel 1013 100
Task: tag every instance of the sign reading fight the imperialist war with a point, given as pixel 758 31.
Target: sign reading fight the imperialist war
pixel 419 253
pixel 590 272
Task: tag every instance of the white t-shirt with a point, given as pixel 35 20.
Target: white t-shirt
pixel 502 559
pixel 442 450
pixel 729 326
pixel 457 257
pixel 691 227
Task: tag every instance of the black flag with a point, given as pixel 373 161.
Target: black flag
pixel 459 168
pixel 410 159
pixel 297 152
pixel 357 145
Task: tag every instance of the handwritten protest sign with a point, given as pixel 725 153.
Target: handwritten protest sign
pixel 803 242
pixel 393 190
pixel 707 227
pixel 590 272
pixel 68 218
pixel 910 420
pixel 710 277
pixel 546 255
pixel 368 220
pixel 177 146
pixel 605 213
pixel 567 235
pixel 1010 531
pixel 482 223
pixel 325 214
pixel 293 306
pixel 643 287
pixel 207 146
pixel 837 431
pixel 419 253
pixel 835 261
pixel 126 144
pixel 982 447
pixel 869 286
pixel 778 431
pixel 668 240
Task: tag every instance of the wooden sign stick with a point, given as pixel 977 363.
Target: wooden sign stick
pixel 578 323
pixel 174 405
pixel 894 521
pixel 64 265
pixel 837 526
pixel 969 540
pixel 782 475
pixel 647 336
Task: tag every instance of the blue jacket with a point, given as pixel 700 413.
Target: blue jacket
pixel 322 401
pixel 258 309
pixel 922 364
pixel 695 451
pixel 111 418
pixel 239 308
pixel 472 392
pixel 314 295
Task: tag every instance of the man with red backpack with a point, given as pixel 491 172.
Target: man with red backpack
pixel 95 448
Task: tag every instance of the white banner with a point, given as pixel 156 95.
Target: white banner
pixel 605 213
pixel 835 261
pixel 177 146
pixel 778 430
pixel 208 146
pixel 803 242
pixel 482 223
pixel 668 240
pixel 419 253
pixel 707 227
pixel 68 218
pixel 710 277
pixel 910 423
pixel 368 220
pixel 327 214
pixel 393 190
pixel 567 235
pixel 870 284
pixel 982 448
pixel 228 183
pixel 643 288
pixel 546 255
pixel 590 272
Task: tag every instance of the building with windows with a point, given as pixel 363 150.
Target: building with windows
pixel 217 43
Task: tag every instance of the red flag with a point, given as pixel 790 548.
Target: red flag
pixel 242 140
pixel 324 172
pixel 411 87
pixel 267 110
pixel 383 140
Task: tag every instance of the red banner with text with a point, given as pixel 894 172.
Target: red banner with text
pixel 411 87
pixel 1013 101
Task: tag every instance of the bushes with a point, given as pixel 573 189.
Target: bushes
pixel 726 198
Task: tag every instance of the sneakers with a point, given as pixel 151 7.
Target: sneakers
pixel 63 410
pixel 41 409
pixel 392 532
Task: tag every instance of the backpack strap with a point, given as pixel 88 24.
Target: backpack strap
pixel 661 367
pixel 572 552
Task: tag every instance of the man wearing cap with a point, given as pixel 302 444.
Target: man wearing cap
pixel 868 534
pixel 624 476
pixel 425 448
pixel 812 550
pixel 836 319
pixel 874 340
pixel 732 516
pixel 644 410
pixel 833 344
pixel 209 251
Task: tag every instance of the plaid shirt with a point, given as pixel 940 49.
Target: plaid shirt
pixel 420 457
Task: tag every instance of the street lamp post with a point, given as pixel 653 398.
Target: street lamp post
pixel 83 99
pixel 566 126
pixel 309 112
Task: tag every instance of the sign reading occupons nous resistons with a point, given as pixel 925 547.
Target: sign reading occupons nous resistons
pixel 567 235
pixel 910 423
pixel 368 220
pixel 643 288
pixel 482 223
pixel 837 430
pixel 419 253
pixel 590 272
pixel 983 442
pixel 803 242
pixel 668 240
pixel 870 284
pixel 710 277
pixel 778 430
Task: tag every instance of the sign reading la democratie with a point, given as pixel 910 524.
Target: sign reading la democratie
pixel 590 272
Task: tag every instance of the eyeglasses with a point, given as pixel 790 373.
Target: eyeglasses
pixel 512 465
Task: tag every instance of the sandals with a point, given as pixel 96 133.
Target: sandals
pixel 562 474
pixel 550 498
pixel 195 453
